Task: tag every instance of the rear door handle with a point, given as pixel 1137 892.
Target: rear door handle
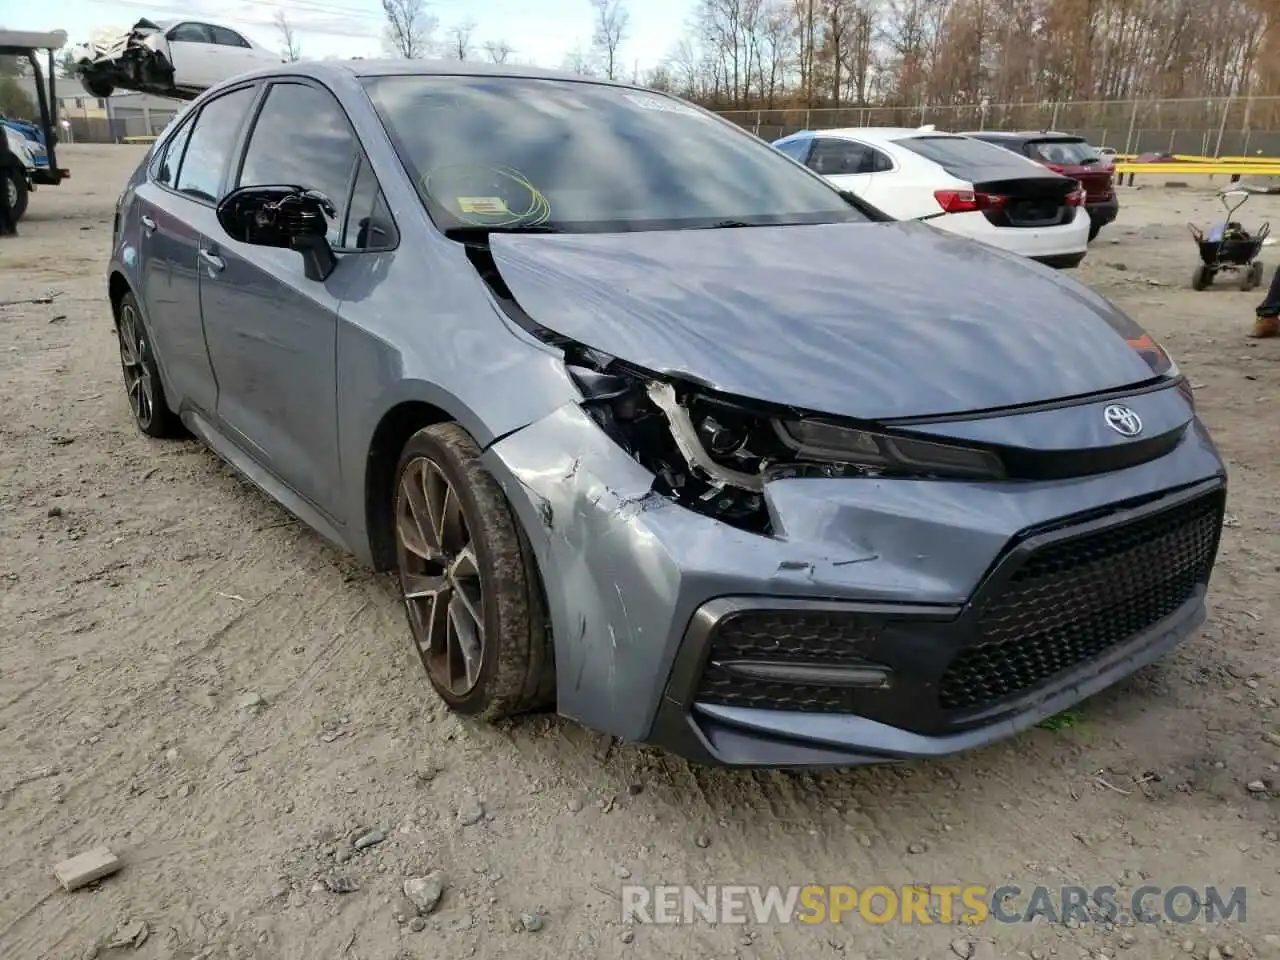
pixel 148 224
pixel 213 261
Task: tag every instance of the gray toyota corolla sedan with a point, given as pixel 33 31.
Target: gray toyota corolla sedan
pixel 654 425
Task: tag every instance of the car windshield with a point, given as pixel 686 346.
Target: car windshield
pixel 1063 152
pixel 504 153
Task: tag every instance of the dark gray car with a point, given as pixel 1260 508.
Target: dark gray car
pixel 655 426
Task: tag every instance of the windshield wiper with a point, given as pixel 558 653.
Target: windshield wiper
pixel 479 233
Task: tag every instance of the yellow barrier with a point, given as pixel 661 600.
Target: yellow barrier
pixel 1200 169
pixel 1191 158
pixel 151 139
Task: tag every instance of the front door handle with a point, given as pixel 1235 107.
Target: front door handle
pixel 212 260
pixel 148 224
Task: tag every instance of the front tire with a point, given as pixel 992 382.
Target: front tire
pixel 142 383
pixel 15 181
pixel 1202 278
pixel 1095 228
pixel 95 84
pixel 468 580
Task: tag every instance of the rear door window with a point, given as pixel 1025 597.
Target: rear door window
pixel 213 139
pixel 835 158
pixel 191 33
pixel 167 161
pixel 880 162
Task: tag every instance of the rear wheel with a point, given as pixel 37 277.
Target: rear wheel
pixel 1202 278
pixel 1247 281
pixel 141 375
pixel 468 579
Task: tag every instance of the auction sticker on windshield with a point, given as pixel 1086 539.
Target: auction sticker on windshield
pixel 482 205
pixel 661 104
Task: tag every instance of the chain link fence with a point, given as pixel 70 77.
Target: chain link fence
pixel 1202 127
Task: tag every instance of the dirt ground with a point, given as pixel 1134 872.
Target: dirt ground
pixel 192 678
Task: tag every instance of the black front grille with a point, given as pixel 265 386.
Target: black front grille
pixel 1072 601
pixel 785 636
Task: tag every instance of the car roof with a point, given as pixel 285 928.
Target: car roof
pixel 431 68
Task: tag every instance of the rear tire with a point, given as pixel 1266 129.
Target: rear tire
pixel 1247 281
pixel 143 387
pixel 463 563
pixel 1202 278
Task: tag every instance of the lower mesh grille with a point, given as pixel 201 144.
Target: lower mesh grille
pixel 784 636
pixel 1074 600
pixel 1068 603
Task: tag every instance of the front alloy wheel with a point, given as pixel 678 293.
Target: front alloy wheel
pixel 468 579
pixel 441 581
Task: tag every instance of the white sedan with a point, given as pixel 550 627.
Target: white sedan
pixel 955 183
pixel 176 58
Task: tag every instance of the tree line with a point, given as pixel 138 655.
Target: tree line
pixel 752 54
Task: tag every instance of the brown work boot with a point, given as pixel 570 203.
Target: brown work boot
pixel 1266 327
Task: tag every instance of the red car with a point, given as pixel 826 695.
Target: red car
pixel 1070 156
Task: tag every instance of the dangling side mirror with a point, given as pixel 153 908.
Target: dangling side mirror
pixel 284 216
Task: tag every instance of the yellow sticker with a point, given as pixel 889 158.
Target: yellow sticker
pixel 484 205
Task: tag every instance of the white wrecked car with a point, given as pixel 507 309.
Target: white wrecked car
pixel 172 58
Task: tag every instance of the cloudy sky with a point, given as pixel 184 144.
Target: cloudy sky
pixel 540 31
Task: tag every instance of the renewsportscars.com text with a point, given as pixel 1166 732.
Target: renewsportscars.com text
pixel 917 904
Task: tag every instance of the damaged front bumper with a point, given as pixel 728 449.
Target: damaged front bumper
pixel 128 63
pixel 880 618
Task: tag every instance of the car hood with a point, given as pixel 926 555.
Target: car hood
pixel 867 320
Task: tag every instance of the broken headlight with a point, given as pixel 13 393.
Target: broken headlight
pixel 823 441
pixel 714 454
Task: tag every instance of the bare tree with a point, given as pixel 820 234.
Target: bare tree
pixel 409 28
pixel 458 46
pixel 612 21
pixel 498 51
pixel 580 61
pixel 290 50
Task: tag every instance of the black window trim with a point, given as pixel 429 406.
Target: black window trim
pixel 246 134
pixel 362 161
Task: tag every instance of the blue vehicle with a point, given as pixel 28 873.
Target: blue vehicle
pixel 35 140
pixel 38 163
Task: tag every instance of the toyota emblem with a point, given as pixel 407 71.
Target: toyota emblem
pixel 1122 420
